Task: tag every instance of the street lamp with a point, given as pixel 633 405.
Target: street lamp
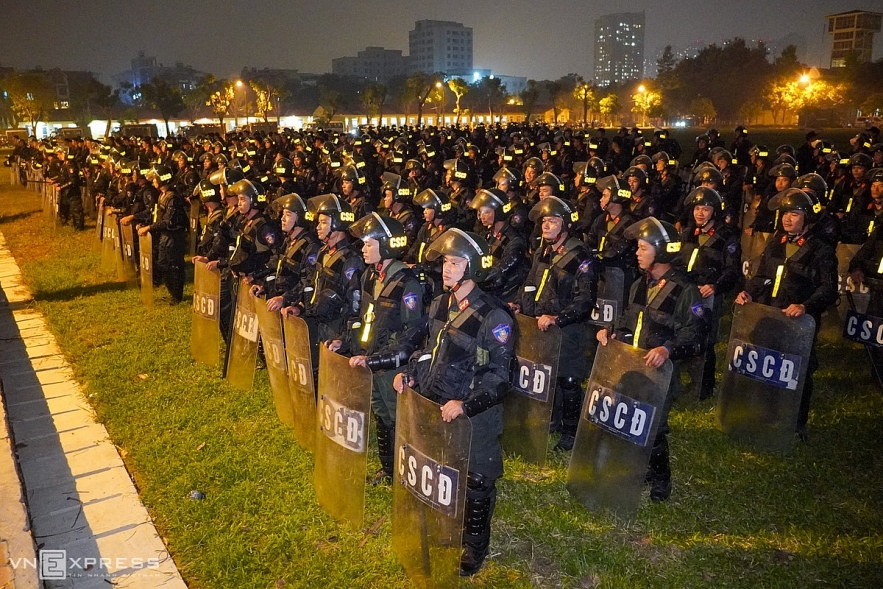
pixel 238 85
pixel 642 103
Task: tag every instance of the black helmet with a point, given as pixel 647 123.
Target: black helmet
pixel 220 159
pixel 437 201
pixel 352 174
pixel 459 170
pixel 876 175
pixel 389 233
pixel 595 168
pixel 636 172
pixel 294 203
pixel 511 175
pixel 550 179
pixel 225 176
pixel 464 244
pixel 760 152
pixel 393 183
pixel 666 159
pixel 207 192
pixel 238 164
pixel 705 196
pixel 180 154
pixel 709 174
pixel 413 164
pixel 495 199
pixel 161 174
pixel 785 149
pixel 535 163
pixel 786 170
pixel 553 206
pixel 283 168
pixel 814 182
pixel 660 234
pixel 642 159
pixel 861 159
pixel 619 190
pixel 331 205
pixel 723 154
pixel 794 199
pixel 252 191
pixel 785 159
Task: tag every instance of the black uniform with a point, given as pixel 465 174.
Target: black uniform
pixel 170 224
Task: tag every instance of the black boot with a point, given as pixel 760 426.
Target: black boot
pixel 572 403
pixel 385 452
pixel 659 470
pixel 481 497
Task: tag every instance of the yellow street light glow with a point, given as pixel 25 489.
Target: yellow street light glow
pixel 641 88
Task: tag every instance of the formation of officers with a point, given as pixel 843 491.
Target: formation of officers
pixel 412 250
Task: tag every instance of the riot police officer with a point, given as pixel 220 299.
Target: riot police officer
pixel 560 290
pixel 465 368
pixel 170 225
pixel 711 253
pixel 507 245
pixel 391 303
pixel 664 316
pixel 797 273
pixel 259 237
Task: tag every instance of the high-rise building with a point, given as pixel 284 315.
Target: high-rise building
pixel 619 48
pixel 853 31
pixel 374 63
pixel 440 46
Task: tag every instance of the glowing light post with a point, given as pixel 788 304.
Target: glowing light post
pixel 641 99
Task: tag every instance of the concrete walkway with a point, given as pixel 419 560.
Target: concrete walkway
pixel 78 494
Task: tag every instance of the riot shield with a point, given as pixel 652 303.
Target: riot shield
pixel 834 318
pixel 342 436
pixel 127 264
pixel 195 205
pixel 108 251
pixel 752 246
pixel 766 369
pixel 429 491
pixel 270 324
pixel 243 354
pixel 528 406
pixel 749 207
pixel 300 381
pixel 691 375
pixel 205 332
pixel 145 247
pixel 611 295
pixel 623 406
pixel 868 331
pixel 99 225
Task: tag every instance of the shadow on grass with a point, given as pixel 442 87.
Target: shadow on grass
pixel 19 215
pixel 68 294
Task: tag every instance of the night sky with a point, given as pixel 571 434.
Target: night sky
pixel 540 40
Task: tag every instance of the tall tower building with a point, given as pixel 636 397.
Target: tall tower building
pixel 619 48
pixel 853 32
pixel 440 46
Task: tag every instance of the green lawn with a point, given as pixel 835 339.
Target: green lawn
pixel 737 518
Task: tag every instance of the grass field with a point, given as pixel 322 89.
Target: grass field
pixel 737 518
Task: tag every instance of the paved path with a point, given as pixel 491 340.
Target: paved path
pixel 79 495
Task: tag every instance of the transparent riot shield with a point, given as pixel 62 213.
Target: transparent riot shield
pixel 127 264
pixel 620 416
pixel 99 225
pixel 528 406
pixel 834 318
pixel 193 236
pixel 341 457
pixel 300 381
pixel 108 251
pixel 611 294
pixel 866 330
pixel 277 368
pixel 749 207
pixel 752 246
pixel 145 253
pixel 243 354
pixel 205 331
pixel 766 369
pixel 429 491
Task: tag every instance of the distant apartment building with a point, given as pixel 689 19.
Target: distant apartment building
pixel 374 63
pixel 853 32
pixel 619 48
pixel 440 46
pixel 145 68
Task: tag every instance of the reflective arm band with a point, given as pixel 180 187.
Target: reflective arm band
pixel 779 271
pixel 155 212
pixel 693 257
pixel 637 336
pixel 542 285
